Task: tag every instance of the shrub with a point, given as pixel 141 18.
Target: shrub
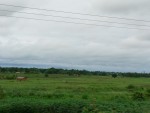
pixel 37 106
pixel 71 96
pixel 138 96
pixel 32 93
pixel 148 92
pixel 120 98
pixel 131 87
pixel 2 94
pixel 54 95
pixel 2 76
pixel 10 77
pixel 16 93
pixel 114 75
pixel 46 75
pixel 91 108
pixel 84 96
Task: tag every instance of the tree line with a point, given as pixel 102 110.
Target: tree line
pixel 70 72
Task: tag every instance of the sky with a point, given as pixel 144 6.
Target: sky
pixel 45 44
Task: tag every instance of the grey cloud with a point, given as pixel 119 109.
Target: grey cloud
pixel 144 37
pixel 64 45
pixel 10 8
pixel 137 42
pixel 125 6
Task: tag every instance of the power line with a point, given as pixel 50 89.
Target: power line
pixel 72 22
pixel 75 18
pixel 77 13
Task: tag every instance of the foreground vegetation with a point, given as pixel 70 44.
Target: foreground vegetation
pixel 62 93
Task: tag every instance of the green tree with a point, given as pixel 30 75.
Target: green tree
pixel 114 75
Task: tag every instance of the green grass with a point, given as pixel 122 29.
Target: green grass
pixel 89 94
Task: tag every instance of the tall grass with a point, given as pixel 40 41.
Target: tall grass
pixel 84 94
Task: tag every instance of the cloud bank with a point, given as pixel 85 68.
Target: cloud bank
pixel 51 44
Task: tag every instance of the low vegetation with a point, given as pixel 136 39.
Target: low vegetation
pixel 69 93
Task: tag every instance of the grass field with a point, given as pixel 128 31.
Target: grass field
pixel 70 94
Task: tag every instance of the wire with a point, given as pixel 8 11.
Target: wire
pixel 72 22
pixel 74 18
pixel 76 13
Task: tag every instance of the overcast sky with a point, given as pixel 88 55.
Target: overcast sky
pixel 52 44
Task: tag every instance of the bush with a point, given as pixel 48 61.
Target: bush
pixel 37 106
pixel 32 93
pixel 1 76
pixel 148 92
pixel 120 98
pixel 10 77
pixel 41 105
pixel 138 96
pixel 46 75
pixel 54 95
pixel 91 108
pixel 84 96
pixel 131 87
pixel 2 94
pixel 114 75
pixel 16 93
